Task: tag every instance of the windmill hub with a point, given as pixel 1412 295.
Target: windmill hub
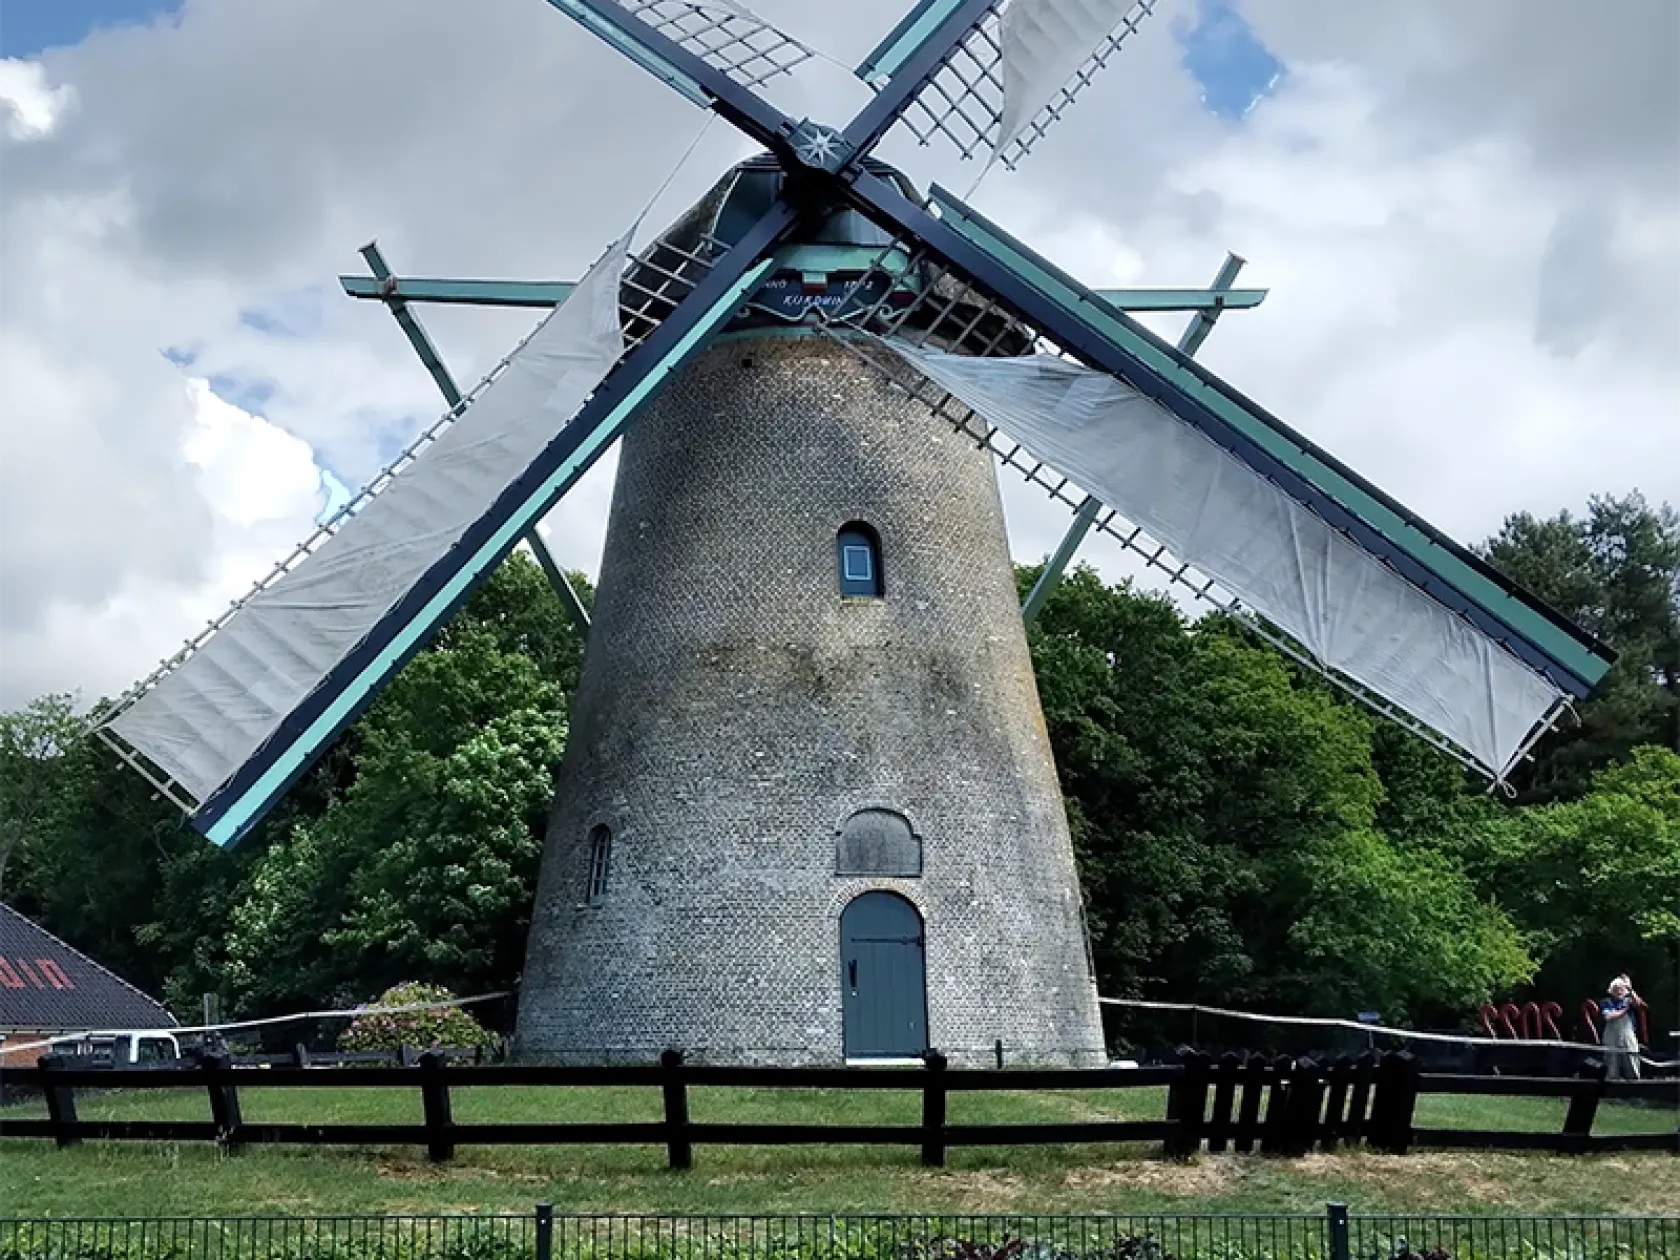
pixel 833 263
pixel 820 147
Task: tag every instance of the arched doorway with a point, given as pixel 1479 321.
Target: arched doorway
pixel 883 978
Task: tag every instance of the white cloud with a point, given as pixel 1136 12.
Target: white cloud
pixel 1469 228
pixel 30 104
pixel 251 472
pixel 262 490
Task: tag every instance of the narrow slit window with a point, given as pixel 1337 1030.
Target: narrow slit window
pixel 860 561
pixel 600 864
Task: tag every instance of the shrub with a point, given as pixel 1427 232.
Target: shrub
pixel 448 1027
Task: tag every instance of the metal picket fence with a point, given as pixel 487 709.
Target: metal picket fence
pixel 541 1234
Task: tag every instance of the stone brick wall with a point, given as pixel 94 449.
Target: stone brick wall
pixel 19 1058
pixel 734 710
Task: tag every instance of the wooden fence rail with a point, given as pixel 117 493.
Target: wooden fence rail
pixel 1280 1106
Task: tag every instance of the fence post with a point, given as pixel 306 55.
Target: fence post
pixel 1272 1131
pixel 224 1099
pixel 1335 1101
pixel 1306 1099
pixel 1406 1105
pixel 61 1101
pixel 1336 1219
pixel 1359 1098
pixel 933 1110
pixel 677 1145
pixel 1393 1103
pixel 434 1102
pixel 1253 1074
pixel 545 1231
pixel 300 1055
pixel 1187 1104
pixel 1583 1108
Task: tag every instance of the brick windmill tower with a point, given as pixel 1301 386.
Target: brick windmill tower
pixel 808 810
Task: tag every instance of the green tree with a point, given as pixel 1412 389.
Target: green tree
pixel 449 893
pixel 422 862
pixel 1594 882
pixel 92 870
pixel 353 874
pixel 1225 810
pixel 42 781
pixel 1616 572
pixel 1399 930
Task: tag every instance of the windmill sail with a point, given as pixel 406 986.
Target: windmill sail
pixel 1011 74
pixel 726 35
pixel 203 720
pixel 1041 45
pixel 1393 610
pixel 1350 612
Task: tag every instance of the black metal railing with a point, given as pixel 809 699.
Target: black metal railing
pixel 1411 1237
pixel 504 1237
pixel 541 1234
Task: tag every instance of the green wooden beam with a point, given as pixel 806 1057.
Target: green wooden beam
pixel 911 32
pixel 450 291
pixel 387 286
pixel 458 292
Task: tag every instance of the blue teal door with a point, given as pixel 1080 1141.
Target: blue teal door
pixel 884 978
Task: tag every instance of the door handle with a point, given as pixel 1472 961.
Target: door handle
pixel 851 973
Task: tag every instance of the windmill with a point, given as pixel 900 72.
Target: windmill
pixel 808 809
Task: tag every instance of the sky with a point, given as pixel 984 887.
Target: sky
pixel 28 27
pixel 1469 227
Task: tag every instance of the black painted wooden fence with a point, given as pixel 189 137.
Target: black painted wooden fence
pixel 1278 1106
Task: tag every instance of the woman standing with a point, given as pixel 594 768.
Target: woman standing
pixel 1621 1032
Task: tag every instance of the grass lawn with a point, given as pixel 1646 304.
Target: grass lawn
pixel 145 1179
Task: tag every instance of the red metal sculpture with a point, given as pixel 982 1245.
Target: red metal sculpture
pixel 1532 1021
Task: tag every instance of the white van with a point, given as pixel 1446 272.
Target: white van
pixel 122 1049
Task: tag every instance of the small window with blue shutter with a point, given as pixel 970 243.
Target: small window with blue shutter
pixel 859 550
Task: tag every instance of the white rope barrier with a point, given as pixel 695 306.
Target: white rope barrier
pixel 1307 1021
pixel 1313 1021
pixel 271 1021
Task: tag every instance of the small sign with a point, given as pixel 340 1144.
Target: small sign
pixel 1370 1017
pixel 786 297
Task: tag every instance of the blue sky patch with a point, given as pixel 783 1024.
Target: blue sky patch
pixel 289 315
pixel 1235 69
pixel 32 26
pixel 338 494
pixel 251 396
pixel 180 357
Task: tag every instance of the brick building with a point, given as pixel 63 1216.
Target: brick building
pixel 48 989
